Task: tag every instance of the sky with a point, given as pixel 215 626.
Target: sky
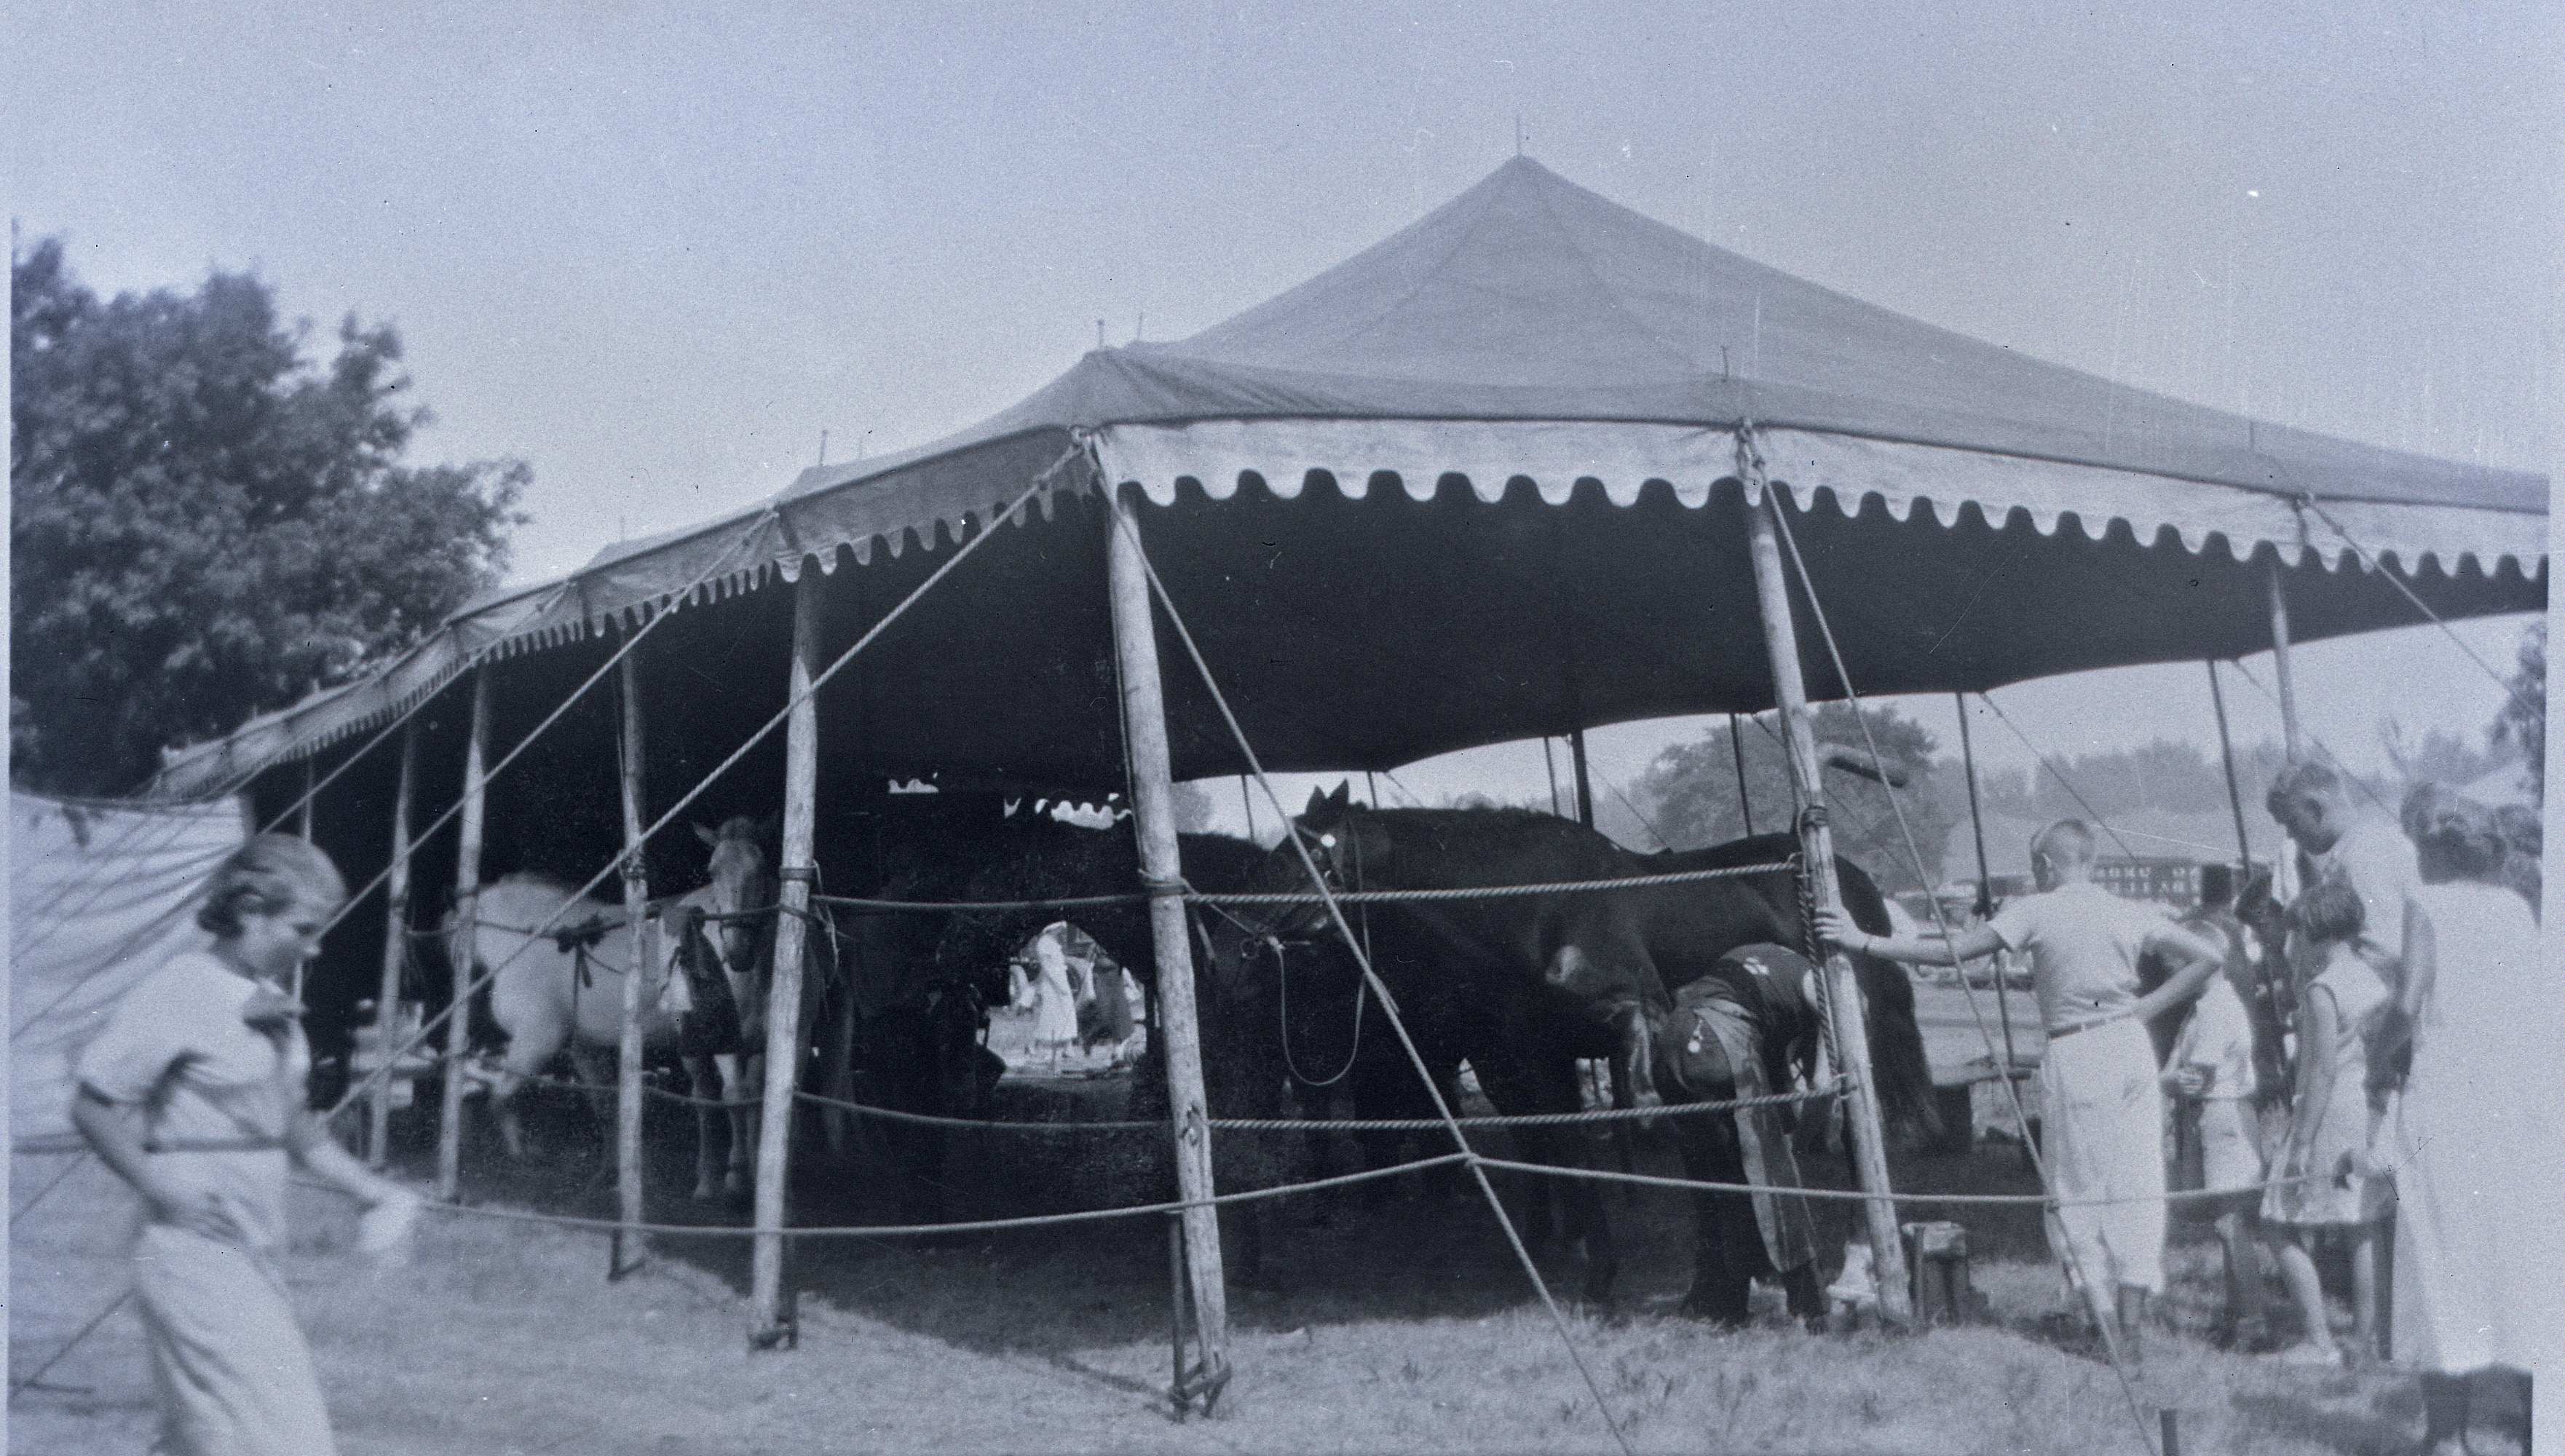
pixel 657 251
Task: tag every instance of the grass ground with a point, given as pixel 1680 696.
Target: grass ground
pixel 1403 1327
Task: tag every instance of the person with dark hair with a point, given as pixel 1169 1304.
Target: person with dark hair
pixel 2475 1307
pixel 193 1095
pixel 2327 1178
pixel 2102 1130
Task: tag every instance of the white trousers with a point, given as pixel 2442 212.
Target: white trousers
pixel 234 1375
pixel 2102 1136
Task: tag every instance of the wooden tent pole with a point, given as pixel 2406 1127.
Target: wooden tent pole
pixel 2235 795
pixel 1585 783
pixel 1849 1022
pixel 770 1324
pixel 2290 741
pixel 1144 732
pixel 636 911
pixel 303 830
pixel 467 907
pixel 1737 750
pixel 1986 906
pixel 379 1121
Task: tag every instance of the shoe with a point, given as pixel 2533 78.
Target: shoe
pixel 2310 1355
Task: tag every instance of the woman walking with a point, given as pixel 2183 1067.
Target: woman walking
pixel 2477 1306
pixel 193 1095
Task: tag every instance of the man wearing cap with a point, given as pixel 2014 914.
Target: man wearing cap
pixel 2102 1133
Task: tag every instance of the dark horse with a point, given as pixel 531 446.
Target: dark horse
pixel 1243 1073
pixel 1523 987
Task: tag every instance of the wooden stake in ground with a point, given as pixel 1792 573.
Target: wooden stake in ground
pixel 379 1123
pixel 637 910
pixel 768 1323
pixel 1847 1020
pixel 1144 728
pixel 467 908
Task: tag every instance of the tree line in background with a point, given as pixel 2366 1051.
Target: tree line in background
pixel 1689 796
pixel 206 525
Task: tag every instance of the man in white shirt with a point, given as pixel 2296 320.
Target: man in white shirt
pixel 2102 1134
pixel 2364 850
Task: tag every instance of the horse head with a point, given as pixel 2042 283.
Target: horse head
pixel 743 884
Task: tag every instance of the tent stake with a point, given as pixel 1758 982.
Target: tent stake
pixel 379 1121
pixel 467 907
pixel 636 916
pixel 1986 906
pixel 1849 1021
pixel 770 1325
pixel 1144 733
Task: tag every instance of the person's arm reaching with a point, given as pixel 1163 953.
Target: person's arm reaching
pixel 1836 926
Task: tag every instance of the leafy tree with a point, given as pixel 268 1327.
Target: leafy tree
pixel 1689 796
pixel 204 525
pixel 2523 719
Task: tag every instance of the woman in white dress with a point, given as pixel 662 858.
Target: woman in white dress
pixel 2475 1305
pixel 1054 1000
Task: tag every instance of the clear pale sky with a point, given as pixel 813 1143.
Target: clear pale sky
pixel 657 250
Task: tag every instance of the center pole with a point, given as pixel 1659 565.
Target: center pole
pixel 1844 1013
pixel 769 1325
pixel 1144 730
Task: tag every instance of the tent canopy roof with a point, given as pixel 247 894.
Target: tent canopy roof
pixel 1519 414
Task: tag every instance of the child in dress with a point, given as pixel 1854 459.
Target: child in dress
pixel 2327 1180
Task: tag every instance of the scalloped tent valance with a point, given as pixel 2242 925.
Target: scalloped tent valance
pixel 1530 330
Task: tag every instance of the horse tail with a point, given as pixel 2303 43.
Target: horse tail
pixel 1898 1069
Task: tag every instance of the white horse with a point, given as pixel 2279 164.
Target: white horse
pixel 704 995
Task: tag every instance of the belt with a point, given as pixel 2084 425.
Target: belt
pixel 215 1145
pixel 2072 1027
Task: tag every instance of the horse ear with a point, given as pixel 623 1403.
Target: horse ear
pixel 1343 797
pixel 709 838
pixel 1317 802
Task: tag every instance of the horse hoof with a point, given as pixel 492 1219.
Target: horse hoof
pixel 704 1193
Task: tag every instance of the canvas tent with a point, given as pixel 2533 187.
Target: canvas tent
pixel 99 895
pixel 1480 482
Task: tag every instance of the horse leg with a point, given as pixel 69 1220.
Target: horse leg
pixel 1549 1085
pixel 1722 1277
pixel 703 1084
pixel 743 1083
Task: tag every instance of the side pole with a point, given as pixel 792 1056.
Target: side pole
pixel 1585 783
pixel 770 1325
pixel 379 1121
pixel 467 907
pixel 1986 906
pixel 2289 738
pixel 2227 756
pixel 1144 730
pixel 1851 1023
pixel 636 909
pixel 1737 750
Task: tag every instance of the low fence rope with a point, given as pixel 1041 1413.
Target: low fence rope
pixel 1303 897
pixel 1235 1125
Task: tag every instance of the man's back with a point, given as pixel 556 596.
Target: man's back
pixel 2084 943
